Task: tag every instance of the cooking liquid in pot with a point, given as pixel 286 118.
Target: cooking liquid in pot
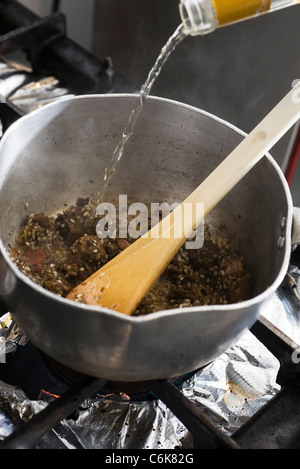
pixel 171 44
pixel 59 252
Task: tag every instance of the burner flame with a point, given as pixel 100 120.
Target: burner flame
pixel 49 394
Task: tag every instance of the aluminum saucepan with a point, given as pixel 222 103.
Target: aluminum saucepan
pixel 58 153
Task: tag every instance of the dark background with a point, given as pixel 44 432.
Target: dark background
pixel 237 73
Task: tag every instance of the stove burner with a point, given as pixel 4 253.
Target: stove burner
pixel 38 373
pixel 116 390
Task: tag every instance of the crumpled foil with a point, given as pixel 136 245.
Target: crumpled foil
pixel 25 89
pixel 230 390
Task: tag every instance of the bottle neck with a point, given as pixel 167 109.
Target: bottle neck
pixel 204 16
pixel 198 16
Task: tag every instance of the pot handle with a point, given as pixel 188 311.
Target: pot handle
pixel 296 226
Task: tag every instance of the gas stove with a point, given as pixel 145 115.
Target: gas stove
pixel 247 398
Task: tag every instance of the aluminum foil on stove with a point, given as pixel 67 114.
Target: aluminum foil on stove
pixel 230 390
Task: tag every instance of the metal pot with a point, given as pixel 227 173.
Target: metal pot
pixel 58 153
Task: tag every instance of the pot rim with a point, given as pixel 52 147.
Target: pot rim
pixel 260 298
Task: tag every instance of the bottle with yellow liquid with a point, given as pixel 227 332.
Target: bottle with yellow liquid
pixel 204 16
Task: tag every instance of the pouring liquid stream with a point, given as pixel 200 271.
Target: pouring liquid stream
pixel 171 44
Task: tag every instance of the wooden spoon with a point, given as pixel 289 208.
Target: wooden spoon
pixel 124 281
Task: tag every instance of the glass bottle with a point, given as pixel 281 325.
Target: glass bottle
pixel 204 16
